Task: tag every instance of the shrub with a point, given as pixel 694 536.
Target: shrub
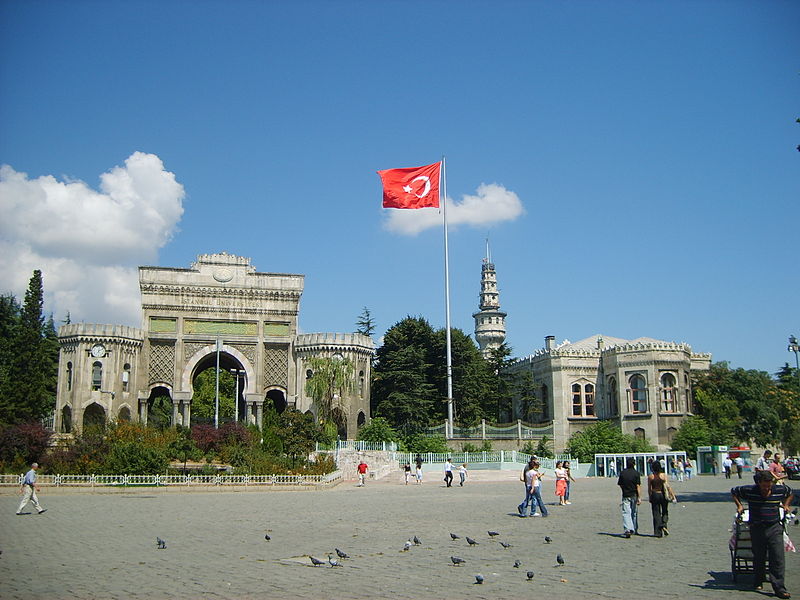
pixel 206 438
pixel 426 443
pixel 486 446
pixel 135 458
pixel 22 444
pixel 378 430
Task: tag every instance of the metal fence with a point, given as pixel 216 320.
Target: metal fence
pixel 497 457
pixel 357 445
pixel 487 431
pixel 174 480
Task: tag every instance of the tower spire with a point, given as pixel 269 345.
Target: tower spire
pixel 490 321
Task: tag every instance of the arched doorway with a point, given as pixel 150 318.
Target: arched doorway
pixel 232 386
pixel 94 415
pixel 124 414
pixel 341 423
pixel 362 418
pixel 159 407
pixel 277 399
pixel 66 420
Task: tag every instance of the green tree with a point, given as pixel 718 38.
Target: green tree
pixel 135 458
pixel 603 437
pixel 299 433
pixel 499 382
pixel 25 394
pixel 365 325
pixel 527 391
pixel 694 432
pixel 736 403
pixel 331 379
pixel 471 394
pixel 203 400
pixel 378 430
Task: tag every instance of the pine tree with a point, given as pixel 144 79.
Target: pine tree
pixel 365 324
pixel 25 393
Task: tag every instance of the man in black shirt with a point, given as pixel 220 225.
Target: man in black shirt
pixel 630 482
pixel 765 500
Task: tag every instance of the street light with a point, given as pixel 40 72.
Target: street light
pixel 236 373
pixel 793 347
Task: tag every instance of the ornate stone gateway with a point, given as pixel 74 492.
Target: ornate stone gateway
pixel 220 307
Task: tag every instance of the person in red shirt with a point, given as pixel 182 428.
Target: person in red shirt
pixel 362 473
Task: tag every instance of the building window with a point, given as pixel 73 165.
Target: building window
pixel 639 433
pixel 582 400
pixel 69 376
pixel 309 374
pixel 638 394
pixel 669 393
pixel 361 384
pixel 613 396
pixel 97 375
pixel 671 431
pixel 126 377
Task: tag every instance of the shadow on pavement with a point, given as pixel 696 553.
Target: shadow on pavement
pixel 723 580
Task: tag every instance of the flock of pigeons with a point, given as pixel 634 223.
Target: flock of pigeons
pixel 456 560
pixel 415 541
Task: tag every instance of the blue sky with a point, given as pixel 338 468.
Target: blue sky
pixel 650 145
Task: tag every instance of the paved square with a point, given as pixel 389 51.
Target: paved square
pixel 103 545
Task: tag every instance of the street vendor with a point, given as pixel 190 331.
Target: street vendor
pixel 765 499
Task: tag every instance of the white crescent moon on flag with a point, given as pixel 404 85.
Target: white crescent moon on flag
pixel 427 189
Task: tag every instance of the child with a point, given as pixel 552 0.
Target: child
pixel 462 473
pixel 407 471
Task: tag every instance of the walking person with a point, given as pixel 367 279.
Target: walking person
pixel 448 472
pixel 777 470
pixel 763 462
pixel 570 481
pixel 765 499
pixel 727 463
pixel 407 472
pixel 536 490
pixel 362 473
pixel 462 474
pixel 673 467
pixel 739 462
pixel 418 469
pixel 680 468
pixel 561 483
pixel 28 489
pixel 689 468
pixel 630 483
pixel 526 477
pixel 714 466
pixel 659 503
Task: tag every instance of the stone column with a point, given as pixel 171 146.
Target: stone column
pixel 143 410
pixel 259 413
pixel 187 418
pixel 175 407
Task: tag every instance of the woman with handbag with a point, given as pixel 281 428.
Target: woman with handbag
pixel 658 489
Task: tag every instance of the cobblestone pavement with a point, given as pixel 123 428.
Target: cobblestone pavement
pixel 103 545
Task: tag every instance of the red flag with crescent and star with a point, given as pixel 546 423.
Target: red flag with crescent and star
pixel 415 187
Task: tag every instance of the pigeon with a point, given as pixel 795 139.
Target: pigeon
pixel 266 537
pixel 417 541
pixel 333 562
pixel 457 561
pixel 517 564
pixel 530 575
pixel 407 545
pixel 341 554
pixel 547 539
pixel 316 562
pixel 505 544
pixel 470 541
pixel 493 533
pixel 160 544
pixel 454 536
pixel 478 579
pixel 560 560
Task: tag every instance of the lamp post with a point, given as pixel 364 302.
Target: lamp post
pixel 236 373
pixel 794 347
pixel 216 388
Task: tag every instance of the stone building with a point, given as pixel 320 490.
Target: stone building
pixel 218 309
pixel 642 385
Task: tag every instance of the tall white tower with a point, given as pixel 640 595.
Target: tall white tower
pixel 490 321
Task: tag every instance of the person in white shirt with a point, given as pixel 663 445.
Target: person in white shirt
pixel 448 472
pixel 726 465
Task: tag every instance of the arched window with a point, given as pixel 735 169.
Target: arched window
pixel 126 377
pixel 639 433
pixel 671 431
pixel 309 373
pixel 97 375
pixel 669 393
pixel 637 393
pixel 69 376
pixel 613 396
pixel 582 400
pixel 361 384
pixel 66 420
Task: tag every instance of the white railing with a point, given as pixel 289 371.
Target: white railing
pixel 174 480
pixel 357 445
pixel 498 457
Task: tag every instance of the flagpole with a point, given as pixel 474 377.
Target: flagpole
pixel 447 305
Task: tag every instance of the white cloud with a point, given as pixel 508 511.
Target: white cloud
pixel 87 243
pixel 492 204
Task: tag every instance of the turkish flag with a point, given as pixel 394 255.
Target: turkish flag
pixel 415 187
